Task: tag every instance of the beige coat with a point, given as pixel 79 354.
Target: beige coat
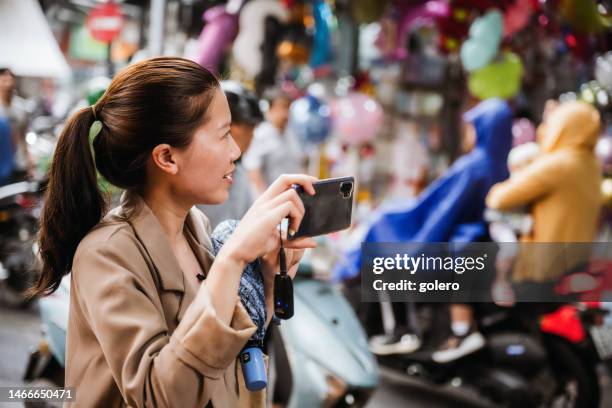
pixel 139 334
pixel 562 186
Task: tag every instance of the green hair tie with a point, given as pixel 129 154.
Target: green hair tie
pixel 94 130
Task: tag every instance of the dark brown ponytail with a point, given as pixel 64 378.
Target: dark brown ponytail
pixel 73 202
pixel 161 100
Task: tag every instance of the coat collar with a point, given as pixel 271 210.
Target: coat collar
pixel 151 234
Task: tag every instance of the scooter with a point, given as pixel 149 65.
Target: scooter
pixel 46 361
pixel 320 357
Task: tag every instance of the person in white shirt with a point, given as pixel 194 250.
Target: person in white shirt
pixel 274 150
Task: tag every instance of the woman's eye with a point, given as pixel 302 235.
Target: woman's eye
pixel 228 134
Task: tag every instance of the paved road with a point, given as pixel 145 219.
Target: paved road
pixel 20 330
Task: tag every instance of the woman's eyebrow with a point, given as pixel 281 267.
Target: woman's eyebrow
pixel 225 125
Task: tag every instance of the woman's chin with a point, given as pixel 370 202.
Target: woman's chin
pixel 217 199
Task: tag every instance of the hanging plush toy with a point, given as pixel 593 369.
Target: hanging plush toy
pixel 216 37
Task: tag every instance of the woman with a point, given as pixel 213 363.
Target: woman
pixel 143 331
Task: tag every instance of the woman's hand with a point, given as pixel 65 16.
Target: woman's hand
pixel 257 234
pixel 271 264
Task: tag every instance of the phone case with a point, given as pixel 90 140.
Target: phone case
pixel 328 210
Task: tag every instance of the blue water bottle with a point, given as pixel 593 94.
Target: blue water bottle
pixel 254 366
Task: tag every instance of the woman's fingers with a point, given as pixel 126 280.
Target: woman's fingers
pixel 286 181
pixel 284 210
pixel 295 209
pixel 300 243
pixel 287 195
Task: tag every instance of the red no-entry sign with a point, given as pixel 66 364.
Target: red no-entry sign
pixel 105 22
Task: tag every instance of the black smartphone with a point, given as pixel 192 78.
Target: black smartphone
pixel 329 210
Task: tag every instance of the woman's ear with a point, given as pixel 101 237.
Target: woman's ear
pixel 162 156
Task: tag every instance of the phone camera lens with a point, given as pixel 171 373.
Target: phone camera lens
pixel 346 188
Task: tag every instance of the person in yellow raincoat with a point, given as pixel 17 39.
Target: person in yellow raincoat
pixel 562 186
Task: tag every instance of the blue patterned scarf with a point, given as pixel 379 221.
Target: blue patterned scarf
pixel 251 283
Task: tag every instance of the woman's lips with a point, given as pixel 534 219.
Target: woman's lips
pixel 229 177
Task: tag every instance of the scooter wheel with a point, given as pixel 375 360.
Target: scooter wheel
pixel 577 382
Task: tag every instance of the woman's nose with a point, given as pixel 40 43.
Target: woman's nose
pixel 235 150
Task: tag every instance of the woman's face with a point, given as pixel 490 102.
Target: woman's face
pixel 205 166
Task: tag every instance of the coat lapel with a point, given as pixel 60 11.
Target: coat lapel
pixel 198 237
pixel 149 231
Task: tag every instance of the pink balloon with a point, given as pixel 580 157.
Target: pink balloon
pixel 217 35
pixel 523 131
pixel 357 118
pixel 517 16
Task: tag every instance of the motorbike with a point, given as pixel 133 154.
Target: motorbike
pixel 20 205
pixel 536 354
pixel 540 355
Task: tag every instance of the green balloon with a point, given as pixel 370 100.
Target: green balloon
pixel 499 79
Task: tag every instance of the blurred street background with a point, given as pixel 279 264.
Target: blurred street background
pixel 443 111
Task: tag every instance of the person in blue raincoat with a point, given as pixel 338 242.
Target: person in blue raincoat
pixel 449 210
pixel 7 154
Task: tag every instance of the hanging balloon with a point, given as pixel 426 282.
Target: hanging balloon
pixel 321 45
pixel 217 35
pixel 310 120
pixel 523 131
pixel 483 42
pixel 603 151
pixel 488 27
pixel 517 16
pixel 247 47
pixel 357 118
pixel 501 79
pixel 603 70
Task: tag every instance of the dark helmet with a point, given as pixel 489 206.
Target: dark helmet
pixel 243 104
